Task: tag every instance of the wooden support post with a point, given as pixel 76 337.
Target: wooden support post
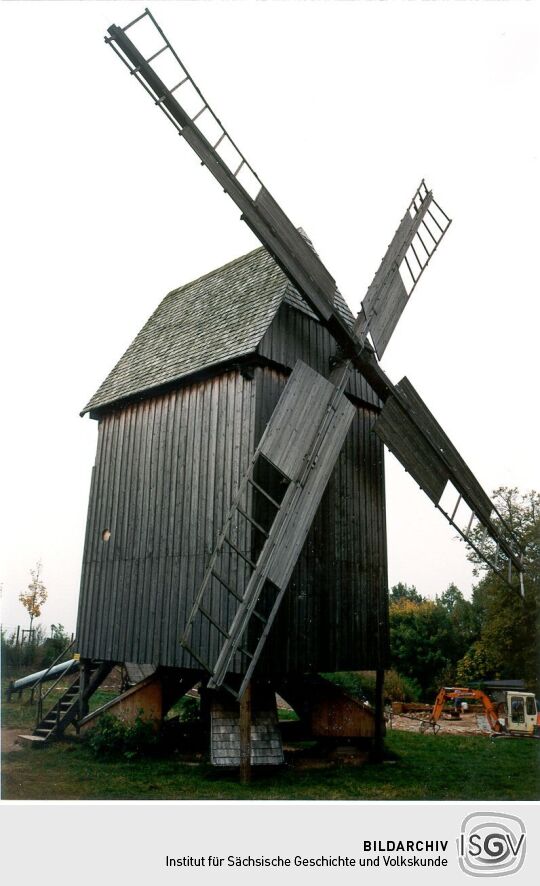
pixel 379 715
pixel 84 679
pixel 245 736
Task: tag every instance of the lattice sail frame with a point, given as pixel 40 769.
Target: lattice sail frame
pixel 419 234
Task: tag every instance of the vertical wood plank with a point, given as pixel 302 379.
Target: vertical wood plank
pixel 245 735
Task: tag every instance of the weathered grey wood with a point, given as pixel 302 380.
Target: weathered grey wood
pixel 305 507
pixel 461 475
pixel 296 420
pixel 387 297
pixel 400 434
pixel 298 335
pixel 325 622
pixel 245 735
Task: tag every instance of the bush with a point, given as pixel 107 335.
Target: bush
pixel 114 737
pixel 400 688
pixel 189 709
pixel 54 645
pixel 361 685
pixel 33 654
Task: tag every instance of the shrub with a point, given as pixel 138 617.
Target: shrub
pixel 361 684
pixel 189 709
pixel 114 737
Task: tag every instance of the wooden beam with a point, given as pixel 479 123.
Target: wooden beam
pixel 245 735
pixel 378 748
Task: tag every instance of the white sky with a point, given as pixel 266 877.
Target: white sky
pixel 341 108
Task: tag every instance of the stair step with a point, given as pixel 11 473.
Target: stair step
pixel 40 730
pixel 37 739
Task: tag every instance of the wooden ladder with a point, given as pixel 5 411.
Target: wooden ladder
pixel 272 512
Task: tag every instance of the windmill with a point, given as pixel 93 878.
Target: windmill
pixel 310 422
pixel 144 595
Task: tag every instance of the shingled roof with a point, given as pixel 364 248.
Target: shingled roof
pixel 217 318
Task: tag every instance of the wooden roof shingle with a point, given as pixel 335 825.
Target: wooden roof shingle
pixel 219 317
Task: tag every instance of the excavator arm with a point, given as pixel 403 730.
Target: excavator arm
pixel 452 693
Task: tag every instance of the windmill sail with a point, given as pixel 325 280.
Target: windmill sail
pixel 411 432
pixel 251 569
pixel 183 103
pixel 419 233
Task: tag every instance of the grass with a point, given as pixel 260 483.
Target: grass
pixel 21 714
pixel 420 767
pixel 425 767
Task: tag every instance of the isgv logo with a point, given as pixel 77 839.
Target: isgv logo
pixel 491 844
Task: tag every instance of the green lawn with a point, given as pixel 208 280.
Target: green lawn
pixel 420 767
pixel 19 713
pixel 427 767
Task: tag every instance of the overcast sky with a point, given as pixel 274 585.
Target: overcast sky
pixel 341 108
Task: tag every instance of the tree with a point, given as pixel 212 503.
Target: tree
pixel 508 622
pixel 520 513
pixel 428 637
pixel 463 617
pixel 403 591
pixel 35 596
pixel 422 641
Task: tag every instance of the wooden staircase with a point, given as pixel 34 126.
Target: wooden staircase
pixel 71 706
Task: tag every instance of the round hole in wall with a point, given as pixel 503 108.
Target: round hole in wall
pixel 106 534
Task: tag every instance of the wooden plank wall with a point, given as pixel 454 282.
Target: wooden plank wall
pixel 294 335
pixel 334 614
pixel 166 470
pixel 165 473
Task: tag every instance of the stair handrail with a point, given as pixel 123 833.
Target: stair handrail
pixel 39 683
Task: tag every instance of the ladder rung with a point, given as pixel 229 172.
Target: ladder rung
pixel 435 220
pixel 409 269
pixel 178 85
pixel 416 256
pixel 211 619
pixel 239 552
pixel 236 171
pixel 135 20
pixel 220 139
pixel 201 661
pixel 264 492
pixel 148 60
pixel 259 616
pixel 198 114
pixel 456 507
pixel 244 651
pixel 441 210
pixel 429 232
pixel 155 55
pixel 424 245
pixel 225 585
pixel 252 521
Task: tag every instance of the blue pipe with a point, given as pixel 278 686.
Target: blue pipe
pixel 66 667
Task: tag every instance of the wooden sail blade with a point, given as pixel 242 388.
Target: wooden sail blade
pixel 232 170
pixel 416 239
pixel 302 442
pixel 413 435
pixel 261 213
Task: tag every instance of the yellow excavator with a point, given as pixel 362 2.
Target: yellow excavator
pixel 517 715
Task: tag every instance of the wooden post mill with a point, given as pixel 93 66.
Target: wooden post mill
pixel 236 525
